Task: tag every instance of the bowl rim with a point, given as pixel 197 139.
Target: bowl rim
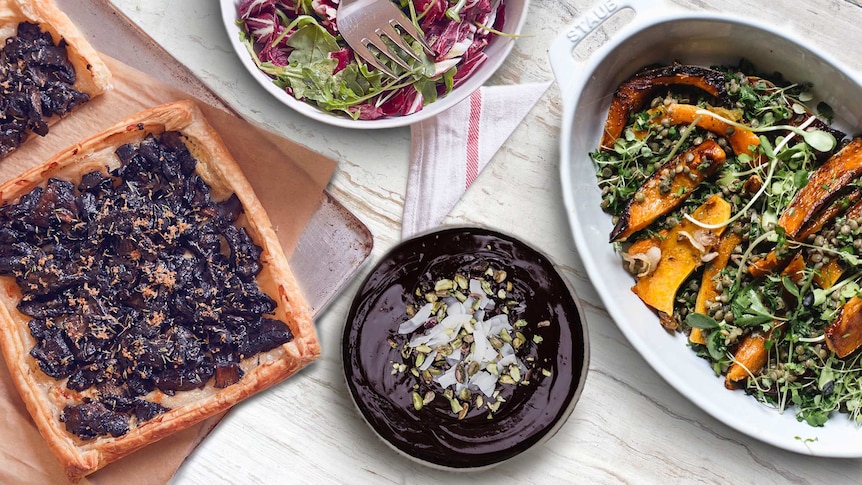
pixel 472 83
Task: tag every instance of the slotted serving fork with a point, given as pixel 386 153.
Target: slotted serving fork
pixel 364 23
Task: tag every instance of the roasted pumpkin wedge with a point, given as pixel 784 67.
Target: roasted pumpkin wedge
pixel 741 141
pixel 749 358
pixel 772 263
pixel 829 274
pixel 636 92
pixel 844 335
pixel 680 257
pixel 708 284
pixel 830 213
pixel 655 198
pixel 824 184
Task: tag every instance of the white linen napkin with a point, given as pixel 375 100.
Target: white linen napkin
pixel 451 149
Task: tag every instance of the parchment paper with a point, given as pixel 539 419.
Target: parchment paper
pixel 287 178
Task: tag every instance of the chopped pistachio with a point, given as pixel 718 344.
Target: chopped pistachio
pixel 500 276
pixel 537 339
pixel 460 373
pixel 505 336
pixel 479 401
pixel 449 394
pixel 429 396
pixel 415 372
pixel 422 349
pixel 455 405
pixel 465 394
pixel 473 368
pixel 464 409
pixel 444 284
pixel 420 359
pixel 507 379
pixel 486 287
pixel 515 372
pixel 430 297
pixel 509 286
pixel 544 323
pixel 546 372
pixel 520 323
pixel 494 406
pixel 501 293
pixel 417 401
pixel 461 281
pixel 460 296
pixel 410 311
pixel 495 341
pixel 392 342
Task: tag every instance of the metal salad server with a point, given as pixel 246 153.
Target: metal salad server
pixel 364 23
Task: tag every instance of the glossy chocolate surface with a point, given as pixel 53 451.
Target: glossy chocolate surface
pixel 434 434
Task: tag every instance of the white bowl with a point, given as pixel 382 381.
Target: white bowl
pixel 497 51
pixel 660 33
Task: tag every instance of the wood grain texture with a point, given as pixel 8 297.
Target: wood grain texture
pixel 629 427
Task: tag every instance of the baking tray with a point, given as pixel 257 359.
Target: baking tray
pixel 333 234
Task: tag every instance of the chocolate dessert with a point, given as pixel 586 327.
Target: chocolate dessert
pixel 464 348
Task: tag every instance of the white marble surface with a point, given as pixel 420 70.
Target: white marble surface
pixel 629 426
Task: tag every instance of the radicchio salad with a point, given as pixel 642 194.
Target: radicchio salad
pixel 297 43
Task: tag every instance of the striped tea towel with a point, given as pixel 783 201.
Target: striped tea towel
pixel 451 149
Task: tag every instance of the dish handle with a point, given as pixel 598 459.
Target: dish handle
pixel 567 70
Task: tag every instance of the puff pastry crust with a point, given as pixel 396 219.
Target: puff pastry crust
pixel 45 397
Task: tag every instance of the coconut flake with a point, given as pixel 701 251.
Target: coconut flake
pixel 485 381
pixel 418 319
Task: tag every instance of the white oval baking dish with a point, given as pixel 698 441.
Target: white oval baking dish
pixel 662 33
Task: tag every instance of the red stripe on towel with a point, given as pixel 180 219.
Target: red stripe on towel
pixel 473 138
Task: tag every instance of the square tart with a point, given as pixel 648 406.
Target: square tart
pixel 46 397
pixel 91 74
